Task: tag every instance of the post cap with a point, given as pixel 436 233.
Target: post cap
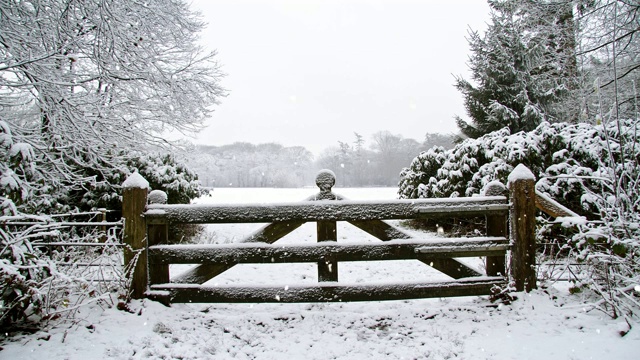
pixel 494 188
pixel 157 197
pixel 325 180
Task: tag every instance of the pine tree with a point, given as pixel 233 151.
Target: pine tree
pixel 501 97
pixel 550 38
pixel 522 68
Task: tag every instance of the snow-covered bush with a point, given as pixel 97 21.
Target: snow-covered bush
pixel 611 250
pixel 40 282
pixel 592 169
pixel 21 271
pixel 162 171
pixel 25 178
pixel 563 157
pixel 611 246
pixel 32 287
pixel 22 276
pixel 17 170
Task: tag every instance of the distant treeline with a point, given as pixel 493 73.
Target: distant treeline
pixel 272 165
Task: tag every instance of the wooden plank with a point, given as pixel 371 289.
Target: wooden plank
pixel 462 211
pixel 61 223
pixel 327 292
pixel 273 232
pixel 158 272
pixel 327 210
pixel 264 253
pixel 496 226
pixel 327 263
pixel 201 274
pixel 451 267
pixel 552 207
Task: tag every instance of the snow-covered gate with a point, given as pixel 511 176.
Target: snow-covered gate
pixel 151 259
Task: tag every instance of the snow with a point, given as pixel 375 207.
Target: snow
pixel 548 323
pixel 494 188
pixel 533 327
pixel 25 151
pixel 521 172
pixel 8 180
pixel 157 197
pixel 571 221
pixel 135 181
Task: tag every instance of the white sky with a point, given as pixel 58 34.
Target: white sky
pixel 311 73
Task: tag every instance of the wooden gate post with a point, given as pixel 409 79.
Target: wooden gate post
pixel 327 230
pixel 134 201
pixel 522 194
pixel 158 234
pixel 104 229
pixel 496 226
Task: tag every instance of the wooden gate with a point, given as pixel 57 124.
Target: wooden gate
pixel 152 258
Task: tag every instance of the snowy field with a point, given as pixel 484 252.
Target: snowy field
pixel 546 324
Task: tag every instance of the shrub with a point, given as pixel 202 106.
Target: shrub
pixel 22 276
pixel 566 159
pixel 162 171
pixel 32 286
pixel 592 169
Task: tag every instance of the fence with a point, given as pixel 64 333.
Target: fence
pixel 147 228
pixel 83 244
pixel 46 230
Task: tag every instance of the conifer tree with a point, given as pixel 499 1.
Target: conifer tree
pixel 522 68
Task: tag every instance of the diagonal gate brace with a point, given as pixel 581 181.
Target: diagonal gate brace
pixel 268 234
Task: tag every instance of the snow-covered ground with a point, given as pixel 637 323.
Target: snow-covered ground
pixel 545 324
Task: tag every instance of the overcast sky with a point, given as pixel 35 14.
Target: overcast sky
pixel 311 73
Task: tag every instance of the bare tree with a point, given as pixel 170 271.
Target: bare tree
pixel 392 153
pixel 249 165
pixel 609 56
pixel 80 80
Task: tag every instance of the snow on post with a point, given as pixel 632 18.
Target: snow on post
pixel 158 197
pixel 136 181
pixel 134 201
pixel 520 172
pixel 494 188
pixel 522 195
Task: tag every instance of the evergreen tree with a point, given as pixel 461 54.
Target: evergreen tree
pixel 522 68
pixel 550 38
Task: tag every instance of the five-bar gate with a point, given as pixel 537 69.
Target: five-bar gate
pixel 147 228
